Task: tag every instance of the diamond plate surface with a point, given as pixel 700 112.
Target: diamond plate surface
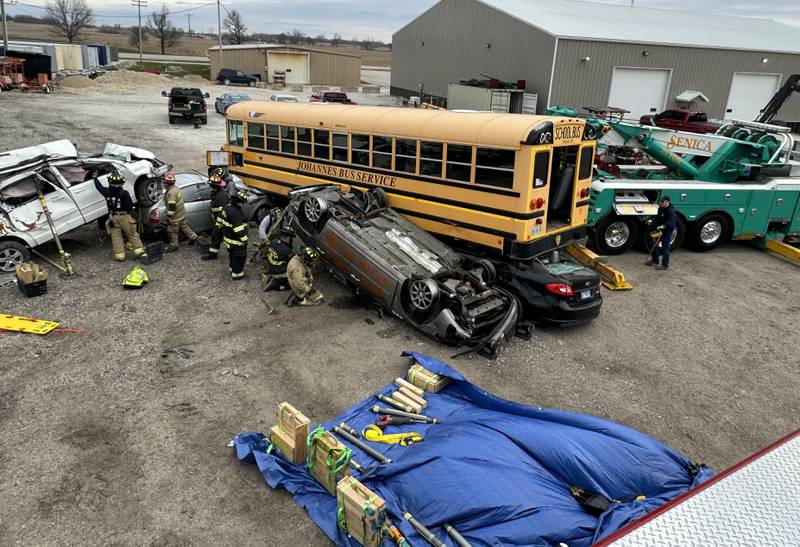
pixel 755 505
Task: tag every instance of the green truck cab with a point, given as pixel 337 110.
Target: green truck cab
pixel 749 188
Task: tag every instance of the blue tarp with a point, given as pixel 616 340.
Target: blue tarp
pixel 499 471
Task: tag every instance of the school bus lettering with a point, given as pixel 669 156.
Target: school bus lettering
pixel 568 133
pixel 349 174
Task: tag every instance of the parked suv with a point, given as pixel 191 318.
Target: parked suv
pixel 230 76
pixel 188 103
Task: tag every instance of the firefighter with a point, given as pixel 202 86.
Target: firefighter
pixel 219 199
pixel 665 223
pixel 120 222
pixel 234 234
pixel 176 214
pixel 277 256
pixel 301 280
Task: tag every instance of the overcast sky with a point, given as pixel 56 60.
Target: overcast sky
pixel 370 18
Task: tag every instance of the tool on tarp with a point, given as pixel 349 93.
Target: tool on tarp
pixel 457 538
pixel 394 534
pixel 349 429
pixel 375 434
pixel 392 402
pixel 392 412
pixel 363 446
pixel 383 421
pixel 426 534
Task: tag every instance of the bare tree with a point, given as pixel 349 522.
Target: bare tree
pixel 70 17
pixel 297 37
pixel 133 37
pixel 160 25
pixel 283 38
pixel 368 44
pixel 320 39
pixel 234 24
pixel 336 40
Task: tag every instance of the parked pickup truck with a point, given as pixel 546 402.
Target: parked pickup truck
pixel 681 120
pixel 68 188
pixel 330 96
pixel 188 103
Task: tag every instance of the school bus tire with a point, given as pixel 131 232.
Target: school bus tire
pixel 615 234
pixel 710 231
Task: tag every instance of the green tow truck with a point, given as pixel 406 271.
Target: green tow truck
pixel 748 188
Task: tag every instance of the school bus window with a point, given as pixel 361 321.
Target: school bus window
pixel 495 167
pixel 405 155
pixel 459 162
pixel 340 147
pixel 360 149
pixel 304 141
pixel 541 166
pixel 287 139
pixel 273 137
pixel 235 133
pixel 381 152
pixel 585 169
pixel 322 144
pixel 255 135
pixel 430 162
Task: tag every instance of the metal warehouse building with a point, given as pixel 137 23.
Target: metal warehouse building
pixel 299 64
pixel 588 54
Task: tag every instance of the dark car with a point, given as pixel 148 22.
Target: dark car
pixel 223 102
pixel 681 120
pixel 378 253
pixel 188 103
pixel 330 97
pixel 230 76
pixel 552 289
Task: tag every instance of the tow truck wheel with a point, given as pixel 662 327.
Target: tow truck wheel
pixel 148 191
pixel 11 254
pixel 614 235
pixel 709 232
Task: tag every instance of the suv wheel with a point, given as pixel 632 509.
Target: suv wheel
pixel 11 254
pixel 251 83
pixel 423 294
pixel 148 191
pixel 226 81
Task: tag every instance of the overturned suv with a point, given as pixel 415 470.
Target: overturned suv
pixel 377 252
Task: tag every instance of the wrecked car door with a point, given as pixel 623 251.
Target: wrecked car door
pixel 20 201
pixel 77 180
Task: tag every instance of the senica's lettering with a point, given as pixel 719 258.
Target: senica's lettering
pixel 348 174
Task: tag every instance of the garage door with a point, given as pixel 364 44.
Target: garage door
pixel 640 90
pixel 750 93
pixel 295 65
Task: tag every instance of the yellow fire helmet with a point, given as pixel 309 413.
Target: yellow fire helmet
pixel 137 279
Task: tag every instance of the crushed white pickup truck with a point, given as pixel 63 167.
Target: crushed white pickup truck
pixel 64 178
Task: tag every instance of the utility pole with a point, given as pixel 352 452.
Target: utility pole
pixel 189 17
pixel 140 4
pixel 5 26
pixel 219 28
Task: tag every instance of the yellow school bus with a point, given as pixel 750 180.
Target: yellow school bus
pixel 512 183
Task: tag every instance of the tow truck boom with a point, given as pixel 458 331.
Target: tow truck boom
pixel 791 85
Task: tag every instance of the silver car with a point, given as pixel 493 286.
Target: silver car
pixel 197 199
pixel 378 253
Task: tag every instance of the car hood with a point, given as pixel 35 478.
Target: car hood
pixel 128 153
pixel 23 157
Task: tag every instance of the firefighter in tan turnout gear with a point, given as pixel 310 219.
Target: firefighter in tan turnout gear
pixel 301 280
pixel 176 214
pixel 120 222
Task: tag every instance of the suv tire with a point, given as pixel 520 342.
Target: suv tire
pixel 12 253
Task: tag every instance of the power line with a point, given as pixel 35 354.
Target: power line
pixel 123 16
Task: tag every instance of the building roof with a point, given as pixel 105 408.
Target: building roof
pixel 486 128
pixel 260 45
pixel 622 23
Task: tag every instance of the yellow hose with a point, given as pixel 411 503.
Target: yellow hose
pixel 375 434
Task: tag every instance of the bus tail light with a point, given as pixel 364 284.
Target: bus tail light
pixel 561 289
pixel 537 203
pixel 585 193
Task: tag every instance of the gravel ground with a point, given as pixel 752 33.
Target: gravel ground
pixel 104 441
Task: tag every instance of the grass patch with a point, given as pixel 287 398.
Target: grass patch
pixel 175 69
